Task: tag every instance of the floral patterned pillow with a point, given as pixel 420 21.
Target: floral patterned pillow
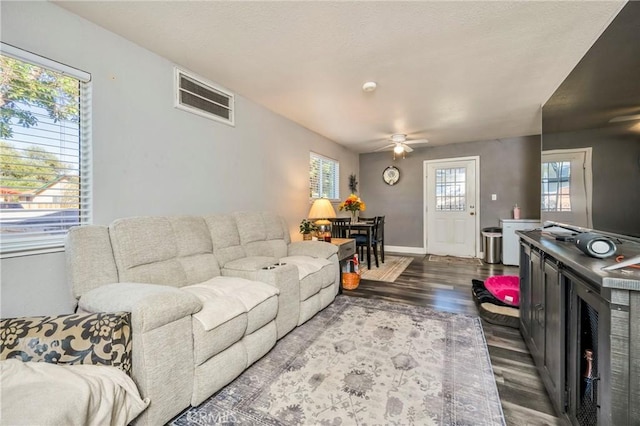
pixel 98 339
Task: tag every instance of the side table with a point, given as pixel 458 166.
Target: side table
pixel 346 250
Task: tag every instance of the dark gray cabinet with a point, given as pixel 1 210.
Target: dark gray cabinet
pixel 543 324
pixel 582 327
pixel 554 332
pixel 525 290
pixel 588 355
pixel 538 319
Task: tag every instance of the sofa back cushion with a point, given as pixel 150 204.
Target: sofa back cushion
pixel 225 238
pixel 89 256
pixel 261 234
pixel 174 251
pixel 195 248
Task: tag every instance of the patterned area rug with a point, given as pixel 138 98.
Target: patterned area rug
pixel 388 271
pixel 455 260
pixel 365 362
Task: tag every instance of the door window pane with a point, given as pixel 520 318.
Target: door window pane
pixel 450 189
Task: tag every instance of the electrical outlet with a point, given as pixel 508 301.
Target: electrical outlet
pixel 494 197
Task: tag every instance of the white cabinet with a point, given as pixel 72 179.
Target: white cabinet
pixel 510 241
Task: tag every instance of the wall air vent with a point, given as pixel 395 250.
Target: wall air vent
pixel 195 95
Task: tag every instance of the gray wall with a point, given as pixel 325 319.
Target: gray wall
pixel 509 168
pixel 150 158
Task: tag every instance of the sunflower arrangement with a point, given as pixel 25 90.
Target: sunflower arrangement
pixel 353 204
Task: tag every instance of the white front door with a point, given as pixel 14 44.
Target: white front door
pixel 452 222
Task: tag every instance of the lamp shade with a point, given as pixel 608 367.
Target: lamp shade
pixel 322 209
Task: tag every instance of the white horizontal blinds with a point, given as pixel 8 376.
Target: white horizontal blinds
pixel 44 148
pixel 324 177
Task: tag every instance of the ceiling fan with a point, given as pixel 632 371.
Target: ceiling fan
pixel 400 144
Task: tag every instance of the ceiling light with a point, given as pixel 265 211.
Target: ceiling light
pixel 398 149
pixel 369 86
pixel 398 137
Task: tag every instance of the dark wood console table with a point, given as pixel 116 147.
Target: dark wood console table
pixel 582 327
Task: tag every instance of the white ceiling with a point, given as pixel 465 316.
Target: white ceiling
pixel 449 72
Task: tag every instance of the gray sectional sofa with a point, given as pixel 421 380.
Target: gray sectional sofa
pixel 208 295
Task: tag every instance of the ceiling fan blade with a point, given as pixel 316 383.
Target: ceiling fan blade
pixel 385 147
pixel 407 148
pixel 415 141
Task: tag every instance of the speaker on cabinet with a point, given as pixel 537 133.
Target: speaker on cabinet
pixel 595 245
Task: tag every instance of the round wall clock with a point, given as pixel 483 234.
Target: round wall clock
pixel 391 175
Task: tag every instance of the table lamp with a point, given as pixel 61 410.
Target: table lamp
pixel 322 210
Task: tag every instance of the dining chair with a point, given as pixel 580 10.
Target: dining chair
pixel 340 227
pixel 361 239
pixel 380 237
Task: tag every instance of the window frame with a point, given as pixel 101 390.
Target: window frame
pixel 54 241
pixel 335 178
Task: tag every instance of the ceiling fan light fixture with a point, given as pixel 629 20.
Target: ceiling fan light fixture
pixel 369 86
pixel 398 149
pixel 398 138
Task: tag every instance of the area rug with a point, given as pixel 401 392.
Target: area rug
pixel 455 260
pixel 388 271
pixel 365 362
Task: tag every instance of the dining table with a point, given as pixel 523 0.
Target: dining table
pixel 368 231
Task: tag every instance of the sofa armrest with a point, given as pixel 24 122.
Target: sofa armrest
pixel 151 305
pixel 93 339
pixel 319 249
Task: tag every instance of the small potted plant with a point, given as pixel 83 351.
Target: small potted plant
pixel 307 228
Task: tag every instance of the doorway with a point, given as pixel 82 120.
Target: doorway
pixel 450 199
pixel 567 186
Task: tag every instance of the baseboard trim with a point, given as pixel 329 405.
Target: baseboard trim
pixel 406 250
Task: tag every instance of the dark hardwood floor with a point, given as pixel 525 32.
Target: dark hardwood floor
pixel 447 287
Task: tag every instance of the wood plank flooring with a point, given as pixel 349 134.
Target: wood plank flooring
pixel 447 287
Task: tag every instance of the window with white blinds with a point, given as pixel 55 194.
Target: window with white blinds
pixel 324 177
pixel 45 186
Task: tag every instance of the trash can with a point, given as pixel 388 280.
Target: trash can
pixel 492 245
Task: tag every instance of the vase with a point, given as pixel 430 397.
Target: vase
pixel 354 216
pixel 307 236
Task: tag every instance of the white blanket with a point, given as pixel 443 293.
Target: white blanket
pixel 39 393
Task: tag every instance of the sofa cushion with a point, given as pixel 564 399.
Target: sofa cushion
pixel 251 227
pixel 225 238
pixel 207 344
pixel 217 307
pixel 90 261
pixel 306 265
pixel 224 298
pixel 101 339
pixel 310 285
pixel 261 234
pixel 141 241
pixel 173 251
pixel 232 308
pixel 194 248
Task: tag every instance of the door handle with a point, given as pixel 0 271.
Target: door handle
pixel 472 213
